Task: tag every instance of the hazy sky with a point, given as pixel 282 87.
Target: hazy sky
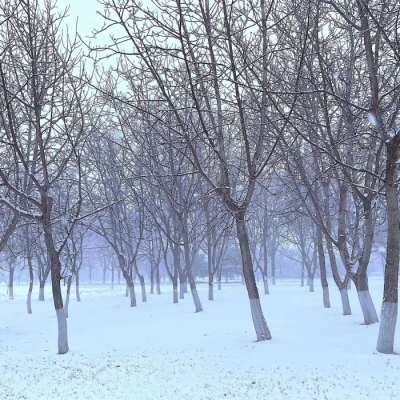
pixel 85 11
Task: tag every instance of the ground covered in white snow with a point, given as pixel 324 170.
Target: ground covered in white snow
pixel 163 351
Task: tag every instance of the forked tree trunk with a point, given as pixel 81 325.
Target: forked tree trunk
pixel 69 282
pixel 389 308
pixel 260 325
pixel 367 306
pixel 77 292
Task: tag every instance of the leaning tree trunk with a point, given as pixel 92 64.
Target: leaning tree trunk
pixel 366 303
pixel 68 295
pixel 260 325
pixel 77 293
pixel 29 297
pixel 188 270
pixel 389 309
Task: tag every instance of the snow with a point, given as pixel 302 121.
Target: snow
pixel 159 350
pixel 373 120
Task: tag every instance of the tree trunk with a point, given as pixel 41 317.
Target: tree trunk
pixel 158 285
pixel 345 301
pixel 367 306
pixel 175 290
pixel 132 294
pixel 273 268
pixel 302 275
pixel 151 279
pixel 143 288
pixel 310 280
pixel 77 293
pixel 260 325
pixel 29 297
pixel 68 295
pixel 389 308
pixel 220 276
pixel 112 277
pixel 322 267
pixel 265 280
pixel 41 290
pixel 211 286
pixel 56 287
pixel 11 283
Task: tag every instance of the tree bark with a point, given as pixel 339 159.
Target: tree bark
pixel 210 286
pixel 68 295
pixel 389 308
pixel 77 293
pixel 260 325
pixel 41 290
pixel 11 281
pixel 367 306
pixel 29 297
pixel 322 267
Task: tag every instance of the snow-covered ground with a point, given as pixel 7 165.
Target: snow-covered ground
pixel 163 351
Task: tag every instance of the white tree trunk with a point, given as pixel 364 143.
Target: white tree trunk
pixel 196 300
pixel 143 289
pixel 132 296
pixel 368 308
pixel 62 331
pixel 29 301
pixel 345 302
pixel 387 328
pixel 325 296
pixel 260 325
pixel 175 292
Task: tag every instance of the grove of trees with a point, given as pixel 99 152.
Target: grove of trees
pixel 200 141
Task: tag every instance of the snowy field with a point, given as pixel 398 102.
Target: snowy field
pixel 163 351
